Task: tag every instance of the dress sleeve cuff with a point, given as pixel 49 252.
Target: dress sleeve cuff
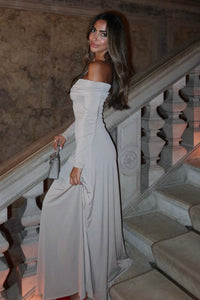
pixel 78 165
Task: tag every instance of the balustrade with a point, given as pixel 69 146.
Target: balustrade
pixel 152 144
pixel 174 125
pixel 31 220
pixel 4 270
pixel 191 92
pixel 162 89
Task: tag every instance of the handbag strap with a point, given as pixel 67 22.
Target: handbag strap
pixel 58 149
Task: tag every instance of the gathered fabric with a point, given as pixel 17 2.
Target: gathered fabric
pixel 81 248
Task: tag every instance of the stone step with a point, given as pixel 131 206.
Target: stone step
pixel 195 216
pixel 148 286
pixel 179 258
pixel 140 264
pixel 144 230
pixel 175 201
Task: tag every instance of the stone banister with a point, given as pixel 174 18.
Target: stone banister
pixel 151 126
pixel 33 169
pixel 157 81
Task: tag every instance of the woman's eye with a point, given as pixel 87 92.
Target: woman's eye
pixel 104 34
pixel 93 29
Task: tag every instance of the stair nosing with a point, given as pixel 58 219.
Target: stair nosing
pixel 139 235
pixel 147 240
pixel 174 200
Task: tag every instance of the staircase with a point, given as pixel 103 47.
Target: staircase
pixel 160 203
pixel 164 230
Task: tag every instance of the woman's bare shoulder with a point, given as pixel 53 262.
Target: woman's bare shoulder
pixel 99 71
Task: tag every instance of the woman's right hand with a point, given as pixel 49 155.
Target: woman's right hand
pixel 59 140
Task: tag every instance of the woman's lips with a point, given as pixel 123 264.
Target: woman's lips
pixel 93 45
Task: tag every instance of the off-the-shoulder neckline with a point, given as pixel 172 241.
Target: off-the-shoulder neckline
pixel 101 82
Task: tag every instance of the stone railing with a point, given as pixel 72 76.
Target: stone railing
pixel 162 124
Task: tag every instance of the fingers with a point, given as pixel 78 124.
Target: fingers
pixel 75 181
pixel 59 140
pixel 75 176
pixel 55 144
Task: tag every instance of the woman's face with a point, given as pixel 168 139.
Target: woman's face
pixel 98 38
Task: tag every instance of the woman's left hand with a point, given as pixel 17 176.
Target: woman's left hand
pixel 75 176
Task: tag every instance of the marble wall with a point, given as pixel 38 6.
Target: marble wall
pixel 41 49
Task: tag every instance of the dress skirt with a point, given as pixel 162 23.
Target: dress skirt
pixel 81 247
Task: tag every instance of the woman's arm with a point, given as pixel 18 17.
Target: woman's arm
pixel 86 125
pixel 60 139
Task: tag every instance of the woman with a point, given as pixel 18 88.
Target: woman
pixel 81 248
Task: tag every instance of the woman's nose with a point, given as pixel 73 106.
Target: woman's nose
pixel 95 36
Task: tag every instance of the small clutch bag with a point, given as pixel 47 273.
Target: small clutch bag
pixel 54 162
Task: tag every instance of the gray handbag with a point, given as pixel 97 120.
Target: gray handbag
pixel 54 162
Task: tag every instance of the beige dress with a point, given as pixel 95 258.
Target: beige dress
pixel 80 246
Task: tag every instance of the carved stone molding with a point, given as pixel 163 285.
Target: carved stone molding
pixel 128 160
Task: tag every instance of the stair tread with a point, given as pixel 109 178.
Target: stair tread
pixel 149 286
pixel 195 216
pixel 140 264
pixel 179 258
pixel 186 194
pixel 154 226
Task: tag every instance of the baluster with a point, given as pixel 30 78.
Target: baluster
pixel 4 245
pixel 151 143
pixel 191 136
pixel 31 220
pixel 174 126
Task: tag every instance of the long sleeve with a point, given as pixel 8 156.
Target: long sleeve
pixel 69 131
pixel 85 125
pixel 88 98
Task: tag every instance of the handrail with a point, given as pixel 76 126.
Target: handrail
pixel 154 83
pixel 189 57
pixel 19 178
pixel 17 181
pixel 27 152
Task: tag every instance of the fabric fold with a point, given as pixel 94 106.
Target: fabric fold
pixel 81 247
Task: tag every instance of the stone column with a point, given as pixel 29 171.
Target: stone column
pixel 4 245
pixel 31 221
pixel 151 143
pixel 174 126
pixel 129 157
pixel 191 136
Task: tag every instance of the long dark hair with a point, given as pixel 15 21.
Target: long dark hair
pixel 119 56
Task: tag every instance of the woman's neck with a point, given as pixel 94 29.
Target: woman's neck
pixel 99 57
